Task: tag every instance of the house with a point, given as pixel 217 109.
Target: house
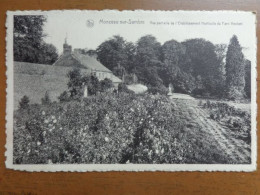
pixel 85 62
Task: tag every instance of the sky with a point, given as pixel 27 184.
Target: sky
pixel 217 27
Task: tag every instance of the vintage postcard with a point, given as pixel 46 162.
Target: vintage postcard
pixel 131 90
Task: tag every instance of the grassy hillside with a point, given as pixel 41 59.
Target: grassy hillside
pixel 34 80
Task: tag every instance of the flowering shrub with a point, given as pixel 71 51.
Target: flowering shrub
pixel 122 128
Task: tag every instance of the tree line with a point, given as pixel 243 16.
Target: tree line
pixel 194 66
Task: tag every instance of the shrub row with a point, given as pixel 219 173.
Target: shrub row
pixel 122 128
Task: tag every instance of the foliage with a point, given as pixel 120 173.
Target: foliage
pixel 195 66
pixel 106 84
pixel 99 130
pixel 48 54
pixel 64 97
pixel 221 50
pixel 93 84
pixel 148 60
pixel 237 120
pixel 24 103
pixel 248 78
pixel 122 88
pixel 115 52
pixel 121 128
pixel 77 81
pixel 174 54
pixel 148 49
pixel 28 40
pixel 46 99
pixel 235 70
pixel 205 63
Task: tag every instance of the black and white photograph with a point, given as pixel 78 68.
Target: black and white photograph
pixel 131 90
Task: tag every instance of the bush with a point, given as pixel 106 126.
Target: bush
pixel 235 94
pixel 46 99
pixel 24 103
pixel 64 97
pixel 100 130
pixel 77 81
pixel 123 88
pixel 106 84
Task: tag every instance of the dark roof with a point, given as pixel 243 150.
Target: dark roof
pixel 90 62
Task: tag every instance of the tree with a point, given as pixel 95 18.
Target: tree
pixel 64 97
pixel 28 40
pixel 175 68
pixel 221 50
pixel 235 70
pixel 173 53
pixel 93 84
pixel 75 83
pixel 148 49
pixel 24 103
pixel 204 63
pixel 106 84
pixel 148 61
pixel 46 99
pixel 114 52
pixel 48 54
pixel 248 78
pixel 91 52
pixel 122 88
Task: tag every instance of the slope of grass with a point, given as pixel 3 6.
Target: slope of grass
pixel 33 80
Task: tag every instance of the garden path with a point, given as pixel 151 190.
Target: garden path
pixel 237 150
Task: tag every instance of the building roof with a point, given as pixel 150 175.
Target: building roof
pixel 90 62
pixel 87 62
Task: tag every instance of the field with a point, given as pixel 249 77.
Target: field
pixel 127 128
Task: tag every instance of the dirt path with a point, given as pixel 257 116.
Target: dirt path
pixel 237 150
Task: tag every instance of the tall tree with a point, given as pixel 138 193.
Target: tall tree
pixel 221 51
pixel 148 49
pixel 113 53
pixel 248 78
pixel 48 54
pixel 175 70
pixel 28 40
pixel 173 53
pixel 148 61
pixel 235 70
pixel 205 64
